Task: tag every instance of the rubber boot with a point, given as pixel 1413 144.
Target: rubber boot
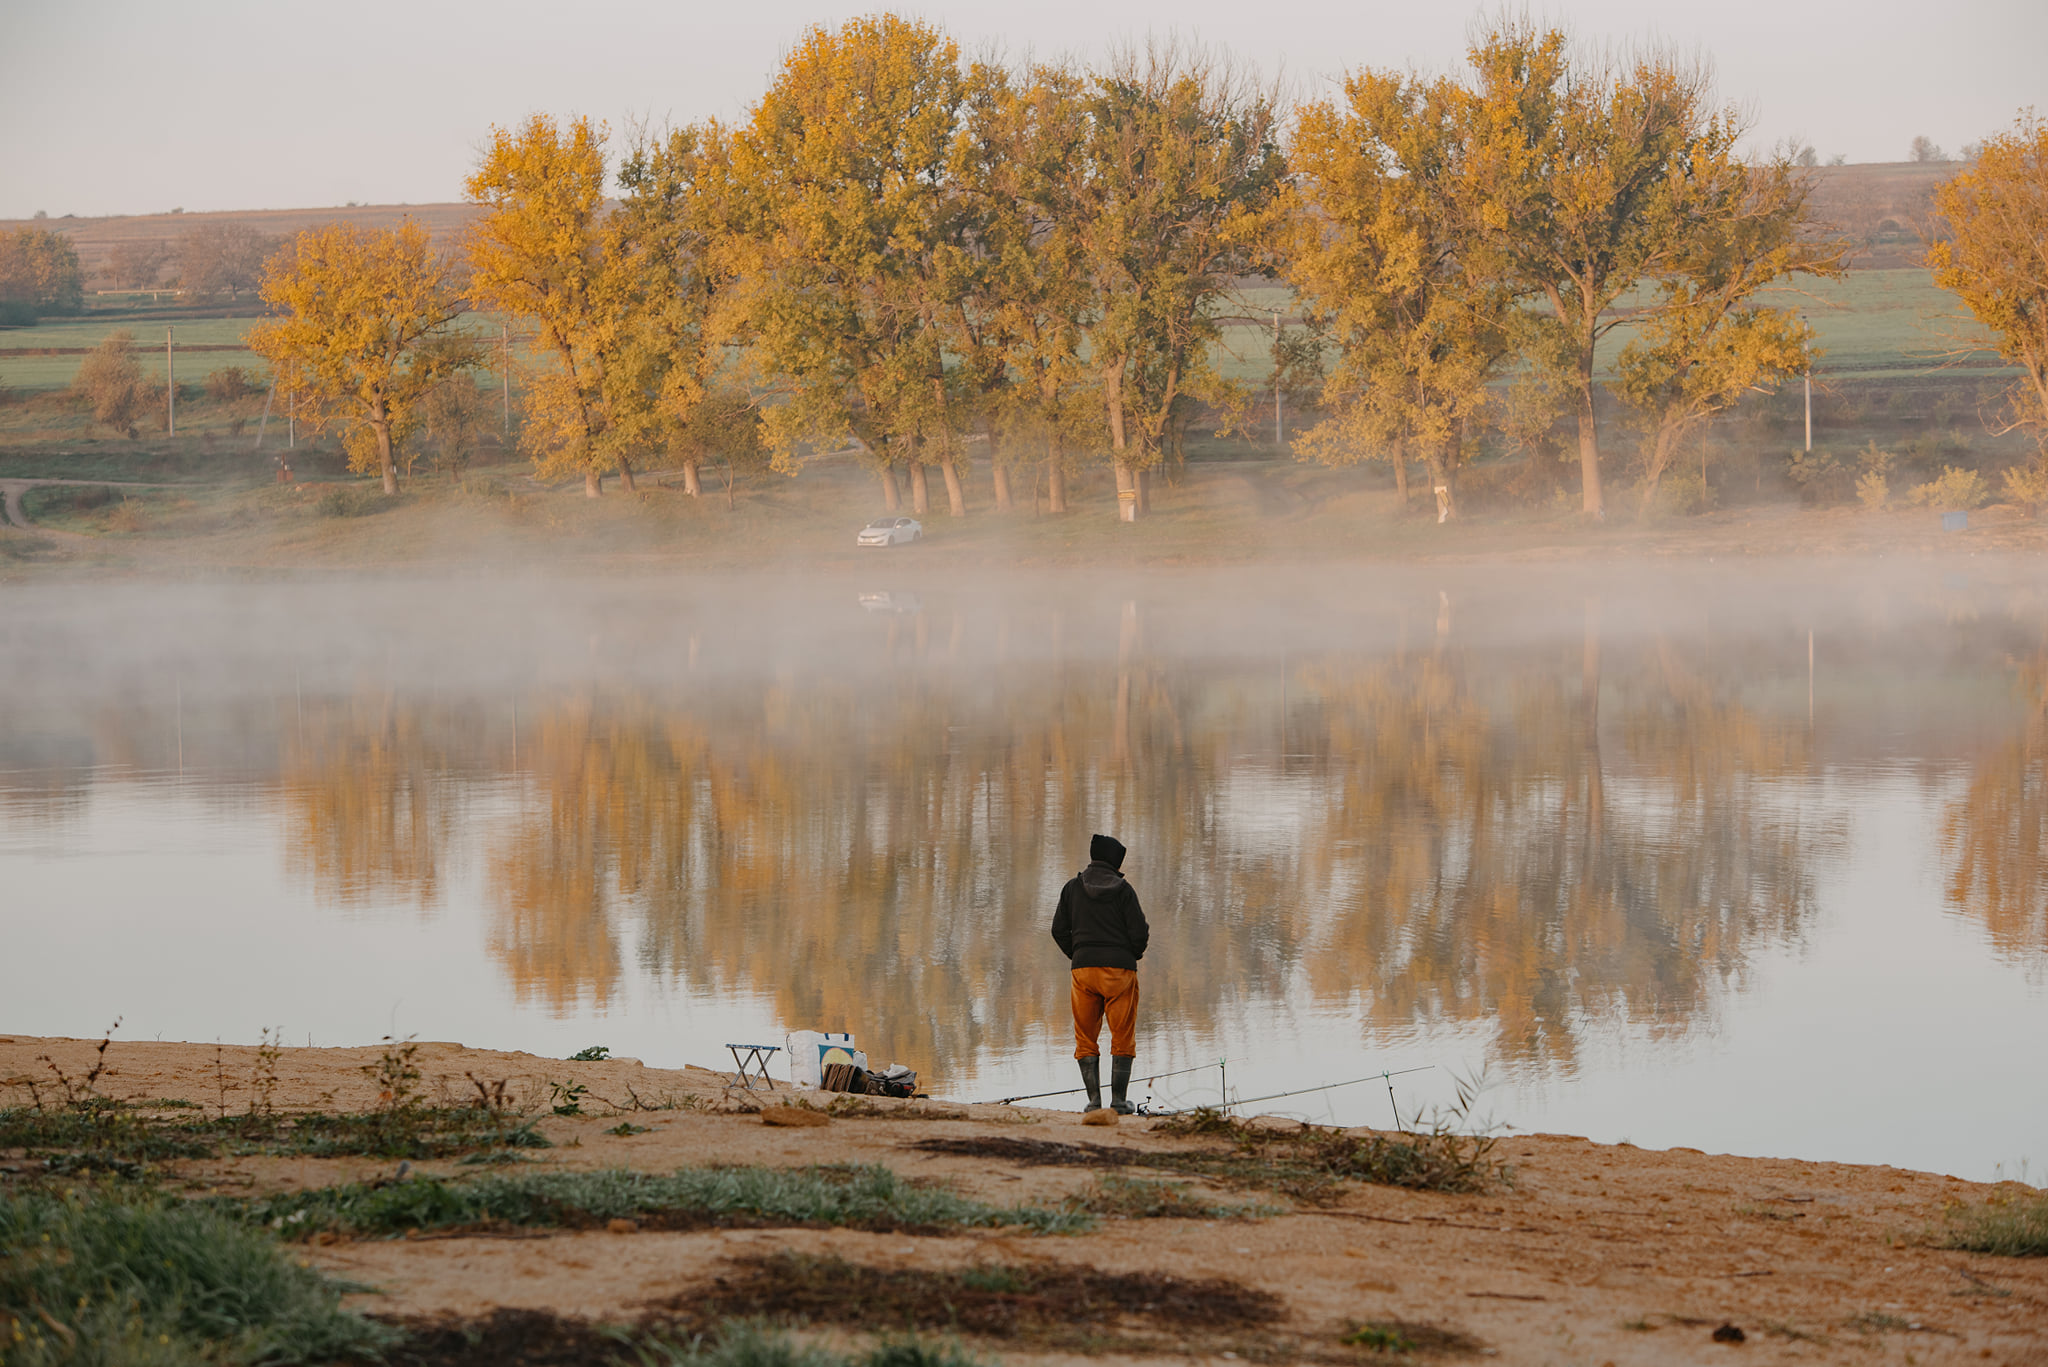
pixel 1119 1083
pixel 1091 1078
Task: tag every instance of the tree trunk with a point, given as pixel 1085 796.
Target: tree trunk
pixel 1127 505
pixel 626 476
pixel 1055 485
pixel 384 462
pixel 892 499
pixel 920 493
pixel 1143 483
pixel 1400 463
pixel 1002 479
pixel 1126 493
pixel 593 483
pixel 1660 457
pixel 1440 460
pixel 956 497
pixel 1589 435
pixel 691 484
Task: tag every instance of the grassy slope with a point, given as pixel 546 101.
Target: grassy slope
pixel 1873 323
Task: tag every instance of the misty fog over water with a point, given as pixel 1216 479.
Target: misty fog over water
pixel 1600 831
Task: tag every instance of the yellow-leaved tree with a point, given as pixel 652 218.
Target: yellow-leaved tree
pixel 363 328
pixel 1582 166
pixel 1995 258
pixel 1024 137
pixel 671 382
pixel 1173 197
pixel 1388 268
pixel 536 254
pixel 1705 344
pixel 855 248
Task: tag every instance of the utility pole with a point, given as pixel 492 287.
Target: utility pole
pixel 1279 440
pixel 505 371
pixel 170 384
pixel 291 421
pixel 1809 410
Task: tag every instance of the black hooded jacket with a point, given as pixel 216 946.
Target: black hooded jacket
pixel 1099 923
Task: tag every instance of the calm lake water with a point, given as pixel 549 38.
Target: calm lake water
pixel 1727 857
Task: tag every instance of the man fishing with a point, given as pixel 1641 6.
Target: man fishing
pixel 1101 929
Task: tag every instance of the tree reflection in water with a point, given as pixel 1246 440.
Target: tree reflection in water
pixel 1546 831
pixel 1995 835
pixel 1445 835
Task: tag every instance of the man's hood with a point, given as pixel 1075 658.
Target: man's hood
pixel 1099 880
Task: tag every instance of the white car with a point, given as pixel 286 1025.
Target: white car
pixel 890 531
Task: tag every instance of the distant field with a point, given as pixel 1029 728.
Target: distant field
pixel 44 374
pixel 1872 324
pixel 96 237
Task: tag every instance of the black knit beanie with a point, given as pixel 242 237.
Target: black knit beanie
pixel 1106 849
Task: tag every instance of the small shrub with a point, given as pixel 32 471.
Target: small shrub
pixel 2027 485
pixel 1821 476
pixel 228 383
pixel 1957 490
pixel 350 500
pixel 455 413
pixel 1873 486
pixel 110 381
pixel 2012 1226
pixel 1683 492
pixel 596 1053
pixel 1308 1162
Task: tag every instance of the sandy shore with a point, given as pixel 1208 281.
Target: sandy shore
pixel 1597 1254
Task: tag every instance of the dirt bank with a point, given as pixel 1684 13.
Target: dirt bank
pixel 1596 1254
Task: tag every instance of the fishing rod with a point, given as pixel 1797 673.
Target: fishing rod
pixel 1369 1077
pixel 1069 1091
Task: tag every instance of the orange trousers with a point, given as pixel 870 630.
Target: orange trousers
pixel 1105 991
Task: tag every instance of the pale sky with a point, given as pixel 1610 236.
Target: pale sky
pixel 117 106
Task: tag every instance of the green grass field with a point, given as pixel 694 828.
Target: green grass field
pixel 1873 324
pixel 48 374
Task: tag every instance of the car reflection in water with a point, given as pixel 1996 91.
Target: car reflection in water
pixel 892 602
pixel 890 531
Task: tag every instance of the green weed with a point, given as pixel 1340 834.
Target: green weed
pixel 93 1278
pixel 750 1345
pixel 119 1133
pixel 353 500
pixel 860 1197
pixel 2011 1226
pixel 1380 1338
pixel 1135 1198
pixel 1307 1162
pixel 596 1053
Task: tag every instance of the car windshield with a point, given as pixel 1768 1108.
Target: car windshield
pixel 880 524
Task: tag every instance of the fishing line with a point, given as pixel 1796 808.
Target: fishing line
pixel 1069 1091
pixel 1353 1082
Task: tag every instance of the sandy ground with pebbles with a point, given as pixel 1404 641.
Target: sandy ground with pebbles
pixel 1598 1254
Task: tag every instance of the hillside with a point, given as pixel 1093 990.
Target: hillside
pixel 1880 205
pixel 96 238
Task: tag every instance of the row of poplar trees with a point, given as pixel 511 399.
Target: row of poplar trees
pixel 916 257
